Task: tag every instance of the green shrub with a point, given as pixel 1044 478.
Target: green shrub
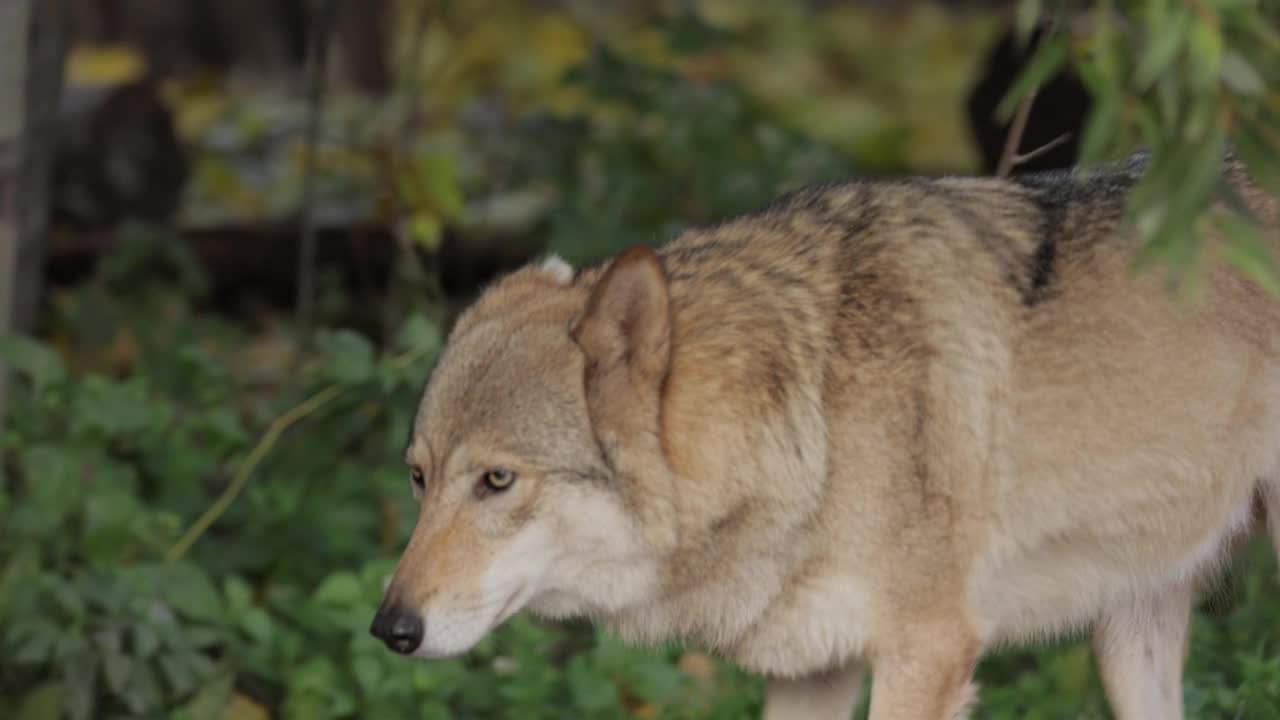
pixel 197 518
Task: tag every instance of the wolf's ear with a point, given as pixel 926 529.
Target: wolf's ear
pixel 625 328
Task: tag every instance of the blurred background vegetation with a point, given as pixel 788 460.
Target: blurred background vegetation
pixel 264 214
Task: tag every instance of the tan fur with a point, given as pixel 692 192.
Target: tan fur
pixel 893 423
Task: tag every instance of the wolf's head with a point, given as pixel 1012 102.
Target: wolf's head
pixel 524 501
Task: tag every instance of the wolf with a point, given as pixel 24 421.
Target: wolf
pixel 878 425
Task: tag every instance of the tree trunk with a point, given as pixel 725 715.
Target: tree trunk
pixel 32 48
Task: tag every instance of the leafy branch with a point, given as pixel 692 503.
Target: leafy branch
pixel 1187 82
pixel 274 432
pixel 1009 156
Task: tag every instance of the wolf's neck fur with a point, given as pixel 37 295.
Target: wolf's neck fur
pixel 738 478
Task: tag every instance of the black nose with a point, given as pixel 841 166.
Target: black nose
pixel 399 628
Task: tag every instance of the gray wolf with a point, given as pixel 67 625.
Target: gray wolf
pixel 878 424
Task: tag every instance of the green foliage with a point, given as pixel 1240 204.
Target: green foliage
pixel 1233 670
pixel 675 154
pixel 484 91
pixel 1186 82
pixel 196 520
pixel 270 608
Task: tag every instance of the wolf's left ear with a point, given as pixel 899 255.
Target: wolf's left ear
pixel 625 329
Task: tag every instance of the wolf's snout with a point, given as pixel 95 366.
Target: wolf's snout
pixel 400 628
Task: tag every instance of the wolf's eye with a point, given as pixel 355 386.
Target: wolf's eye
pixel 497 479
pixel 419 480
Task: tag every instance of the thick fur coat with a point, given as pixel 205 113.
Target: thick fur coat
pixel 885 424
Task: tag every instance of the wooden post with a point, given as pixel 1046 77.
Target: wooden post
pixel 33 37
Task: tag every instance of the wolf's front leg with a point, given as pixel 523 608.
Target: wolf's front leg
pixel 930 678
pixel 831 695
pixel 1140 648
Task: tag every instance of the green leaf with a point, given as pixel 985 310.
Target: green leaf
pixel 142 693
pixel 18 570
pixel 64 596
pixel 593 692
pixel 54 484
pixel 43 366
pixel 114 409
pixel 1046 61
pixel 109 640
pixel 349 354
pixel 1240 76
pixel 440 180
pixel 1028 14
pixel 33 642
pixel 1168 97
pixel 1108 49
pixel 257 624
pixel 222 426
pixel 116 668
pixel 110 524
pixel 204 637
pixel 181 671
pixel 1247 251
pixel 1206 45
pixel 653 677
pixel 80 675
pixel 1100 129
pixel 1164 40
pixel 43 702
pixel 210 701
pixel 689 33
pixel 341 589
pixel 238 593
pixel 1199 114
pixel 425 229
pixel 388 376
pixel 1266 31
pixel 1147 120
pixel 368 672
pixel 418 332
pixel 1261 157
pixel 144 640
pixel 317 678
pixel 1260 707
pixel 1172 196
pixel 191 593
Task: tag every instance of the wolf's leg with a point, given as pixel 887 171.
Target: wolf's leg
pixel 931 682
pixel 831 695
pixel 1140 649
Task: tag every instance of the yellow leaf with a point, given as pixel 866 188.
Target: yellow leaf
pixel 424 229
pixel 558 45
pixel 196 112
pixel 242 707
pixel 104 65
pixel 697 665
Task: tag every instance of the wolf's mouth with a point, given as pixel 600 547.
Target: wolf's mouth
pixel 510 607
